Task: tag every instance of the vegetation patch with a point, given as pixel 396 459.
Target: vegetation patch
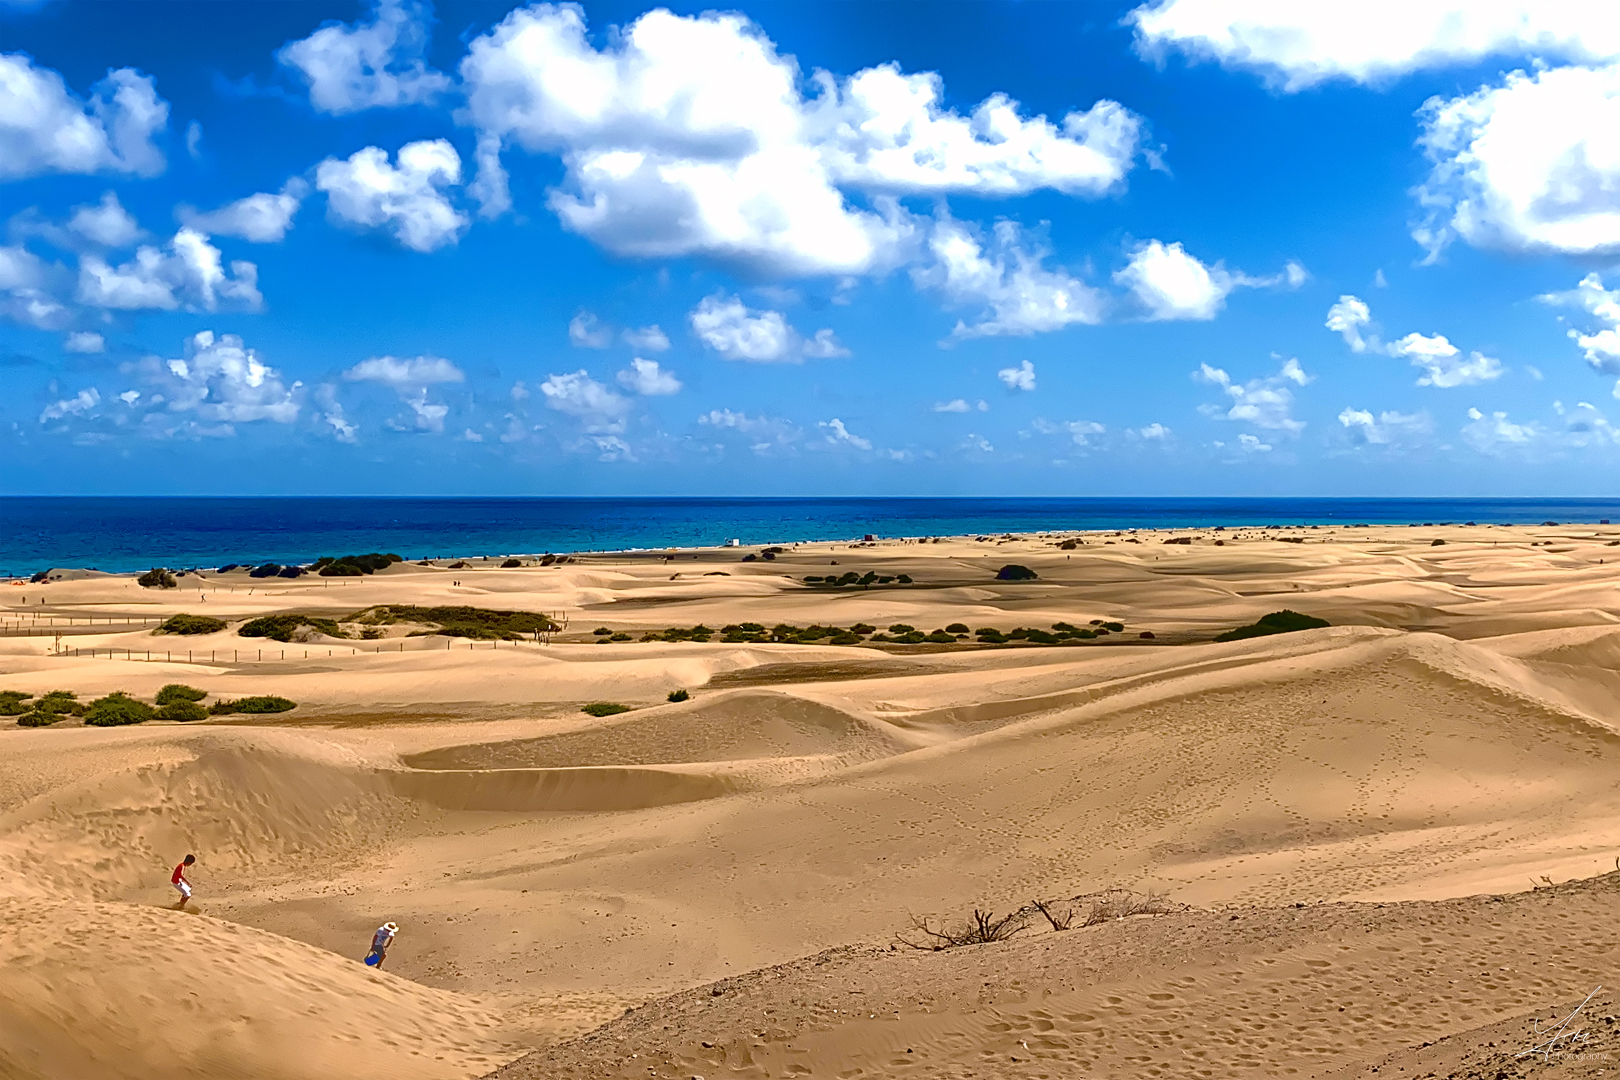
pixel 1278 622
pixel 118 709
pixel 182 711
pixel 11 702
pixel 1015 572
pixel 284 627
pixel 355 565
pixel 157 578
pixel 678 695
pixel 179 692
pixel 604 708
pixel 264 703
pixel 190 624
pixel 483 624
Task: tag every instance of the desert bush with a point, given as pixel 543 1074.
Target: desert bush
pixel 812 579
pixel 940 637
pixel 901 628
pixel 263 703
pixel 602 631
pixel 1014 572
pixel 354 565
pixel 1068 545
pixel 1116 627
pixel 189 624
pixel 463 566
pixel 11 702
pixel 1121 903
pixel 61 701
pixel 40 577
pixel 35 718
pixel 678 695
pixel 117 709
pixel 179 692
pixel 269 569
pixel 862 628
pixel 604 708
pixel 483 624
pixel 1436 543
pixel 621 636
pixel 956 628
pixel 992 636
pixel 904 579
pixel 227 568
pixel 1040 637
pixel 913 637
pixel 1146 635
pixel 283 627
pixel 338 569
pixel 845 639
pixel 981 929
pixel 511 564
pixel 157 578
pixel 183 711
pixel 292 572
pixel 1278 622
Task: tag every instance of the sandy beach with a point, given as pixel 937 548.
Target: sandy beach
pixel 1399 829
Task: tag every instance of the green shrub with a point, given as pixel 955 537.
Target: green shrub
pixel 904 579
pixel 956 628
pixel 269 569
pixel 179 692
pixel 511 564
pixel 341 570
pixel 1278 622
pixel 157 578
pixel 1040 637
pixel 678 695
pixel 992 636
pixel 182 710
pixel 911 637
pixel 60 702
pixel 901 628
pixel 355 565
pixel 190 624
pixel 940 637
pixel 35 718
pixel 117 709
pixel 1014 572
pixel 604 708
pixel 483 624
pixel 292 572
pixel 602 631
pixel 620 637
pixel 845 639
pixel 1116 627
pixel 283 627
pixel 265 703
pixel 862 628
pixel 463 566
pixel 11 702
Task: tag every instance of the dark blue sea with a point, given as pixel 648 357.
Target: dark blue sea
pixel 123 534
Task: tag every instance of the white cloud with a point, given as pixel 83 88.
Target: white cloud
pixel 130 397
pixel 646 378
pixel 975 442
pixel 1021 295
pixel 371 64
pixel 578 395
pixel 1172 284
pixel 189 273
pixel 1154 431
pixel 107 223
pixel 403 375
pixel 1386 428
pixel 1265 403
pixel 647 339
pixel 957 406
pixel 767 433
pixel 520 392
pixel 587 332
pixel 471 436
pixel 1021 377
pixel 194 134
pixel 1531 165
pixel 78 405
pixel 332 415
pixel 84 341
pixel 839 435
pixel 429 414
pixel 366 190
pixel 1297 45
pixel 1078 430
pixel 45 128
pixel 690 136
pixel 222 380
pixel 1441 361
pixel 261 219
pixel 738 332
pixel 1602 348
pixel 1495 433
pixel 1251 444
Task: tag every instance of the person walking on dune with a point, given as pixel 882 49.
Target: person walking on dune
pixel 181 885
pixel 380 941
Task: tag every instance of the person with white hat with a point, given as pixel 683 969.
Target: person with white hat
pixel 380 941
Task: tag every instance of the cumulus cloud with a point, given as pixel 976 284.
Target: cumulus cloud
pixel 1602 347
pixel 1388 428
pixel 221 379
pixel 1080 431
pixel 1496 434
pixel 1267 402
pixel 1442 362
pixel 406 200
pixel 261 219
pixel 364 65
pixel 107 223
pixel 839 435
pixel 578 395
pixel 1006 277
pixel 46 128
pixel 1251 444
pixel 1294 46
pixel 187 273
pixel 587 332
pixel 960 405
pixel 738 332
pixel 332 415
pixel 22 293
pixel 646 378
pixel 1154 431
pixel 1171 284
pixel 78 405
pixel 691 136
pixel 84 341
pixel 647 339
pixel 1531 165
pixel 766 433
pixel 410 374
pixel 1021 377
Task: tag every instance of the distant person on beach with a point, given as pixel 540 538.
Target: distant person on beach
pixel 380 941
pixel 181 885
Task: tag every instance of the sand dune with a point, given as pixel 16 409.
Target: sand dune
pixel 1452 733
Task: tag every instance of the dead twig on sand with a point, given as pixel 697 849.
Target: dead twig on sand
pixel 982 928
pixel 1122 903
pixel 1060 918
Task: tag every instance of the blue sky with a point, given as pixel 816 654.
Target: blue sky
pixel 1181 247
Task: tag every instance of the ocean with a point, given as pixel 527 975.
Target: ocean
pixel 124 534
